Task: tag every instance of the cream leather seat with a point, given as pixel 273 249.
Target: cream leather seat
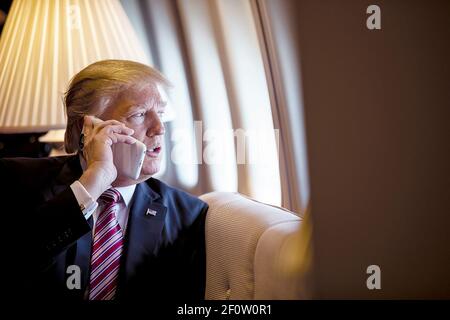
pixel 244 241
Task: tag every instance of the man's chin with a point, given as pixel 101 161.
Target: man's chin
pixel 149 170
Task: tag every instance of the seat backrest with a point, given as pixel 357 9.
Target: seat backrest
pixel 244 239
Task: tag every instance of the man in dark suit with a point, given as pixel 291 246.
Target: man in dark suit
pixel 84 230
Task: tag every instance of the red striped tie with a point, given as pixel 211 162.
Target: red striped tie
pixel 107 249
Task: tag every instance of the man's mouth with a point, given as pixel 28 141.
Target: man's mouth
pixel 153 150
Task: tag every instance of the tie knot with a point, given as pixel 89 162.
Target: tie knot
pixel 110 196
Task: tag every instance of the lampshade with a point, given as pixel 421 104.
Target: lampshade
pixel 44 44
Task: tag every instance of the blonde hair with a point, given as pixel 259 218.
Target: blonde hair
pixel 95 88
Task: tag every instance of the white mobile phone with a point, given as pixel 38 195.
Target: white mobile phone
pixel 128 158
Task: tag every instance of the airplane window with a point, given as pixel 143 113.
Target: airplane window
pixel 281 54
pixel 223 136
pixel 249 101
pixel 209 87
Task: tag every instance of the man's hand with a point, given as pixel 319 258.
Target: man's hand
pixel 99 136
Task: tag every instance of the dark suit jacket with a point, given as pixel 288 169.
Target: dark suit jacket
pixel 45 232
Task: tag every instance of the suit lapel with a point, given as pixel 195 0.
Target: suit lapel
pixel 145 225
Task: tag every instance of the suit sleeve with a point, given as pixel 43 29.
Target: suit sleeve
pixel 40 232
pixel 60 223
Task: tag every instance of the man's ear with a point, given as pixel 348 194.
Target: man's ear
pixel 77 131
pixel 81 142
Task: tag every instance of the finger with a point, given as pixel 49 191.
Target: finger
pixel 117 128
pixel 102 124
pixel 124 138
pixel 94 125
pixel 113 138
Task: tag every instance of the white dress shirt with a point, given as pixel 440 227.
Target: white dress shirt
pixel 93 208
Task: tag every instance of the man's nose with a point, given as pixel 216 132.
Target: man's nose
pixel 156 127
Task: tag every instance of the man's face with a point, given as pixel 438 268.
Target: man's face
pixel 141 110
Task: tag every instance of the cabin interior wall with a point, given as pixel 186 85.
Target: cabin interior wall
pixel 376 113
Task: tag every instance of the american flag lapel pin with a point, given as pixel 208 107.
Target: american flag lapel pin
pixel 150 212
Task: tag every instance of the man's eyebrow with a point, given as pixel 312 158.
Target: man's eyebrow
pixel 133 107
pixel 158 104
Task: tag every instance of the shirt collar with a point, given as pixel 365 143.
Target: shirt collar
pixel 127 193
